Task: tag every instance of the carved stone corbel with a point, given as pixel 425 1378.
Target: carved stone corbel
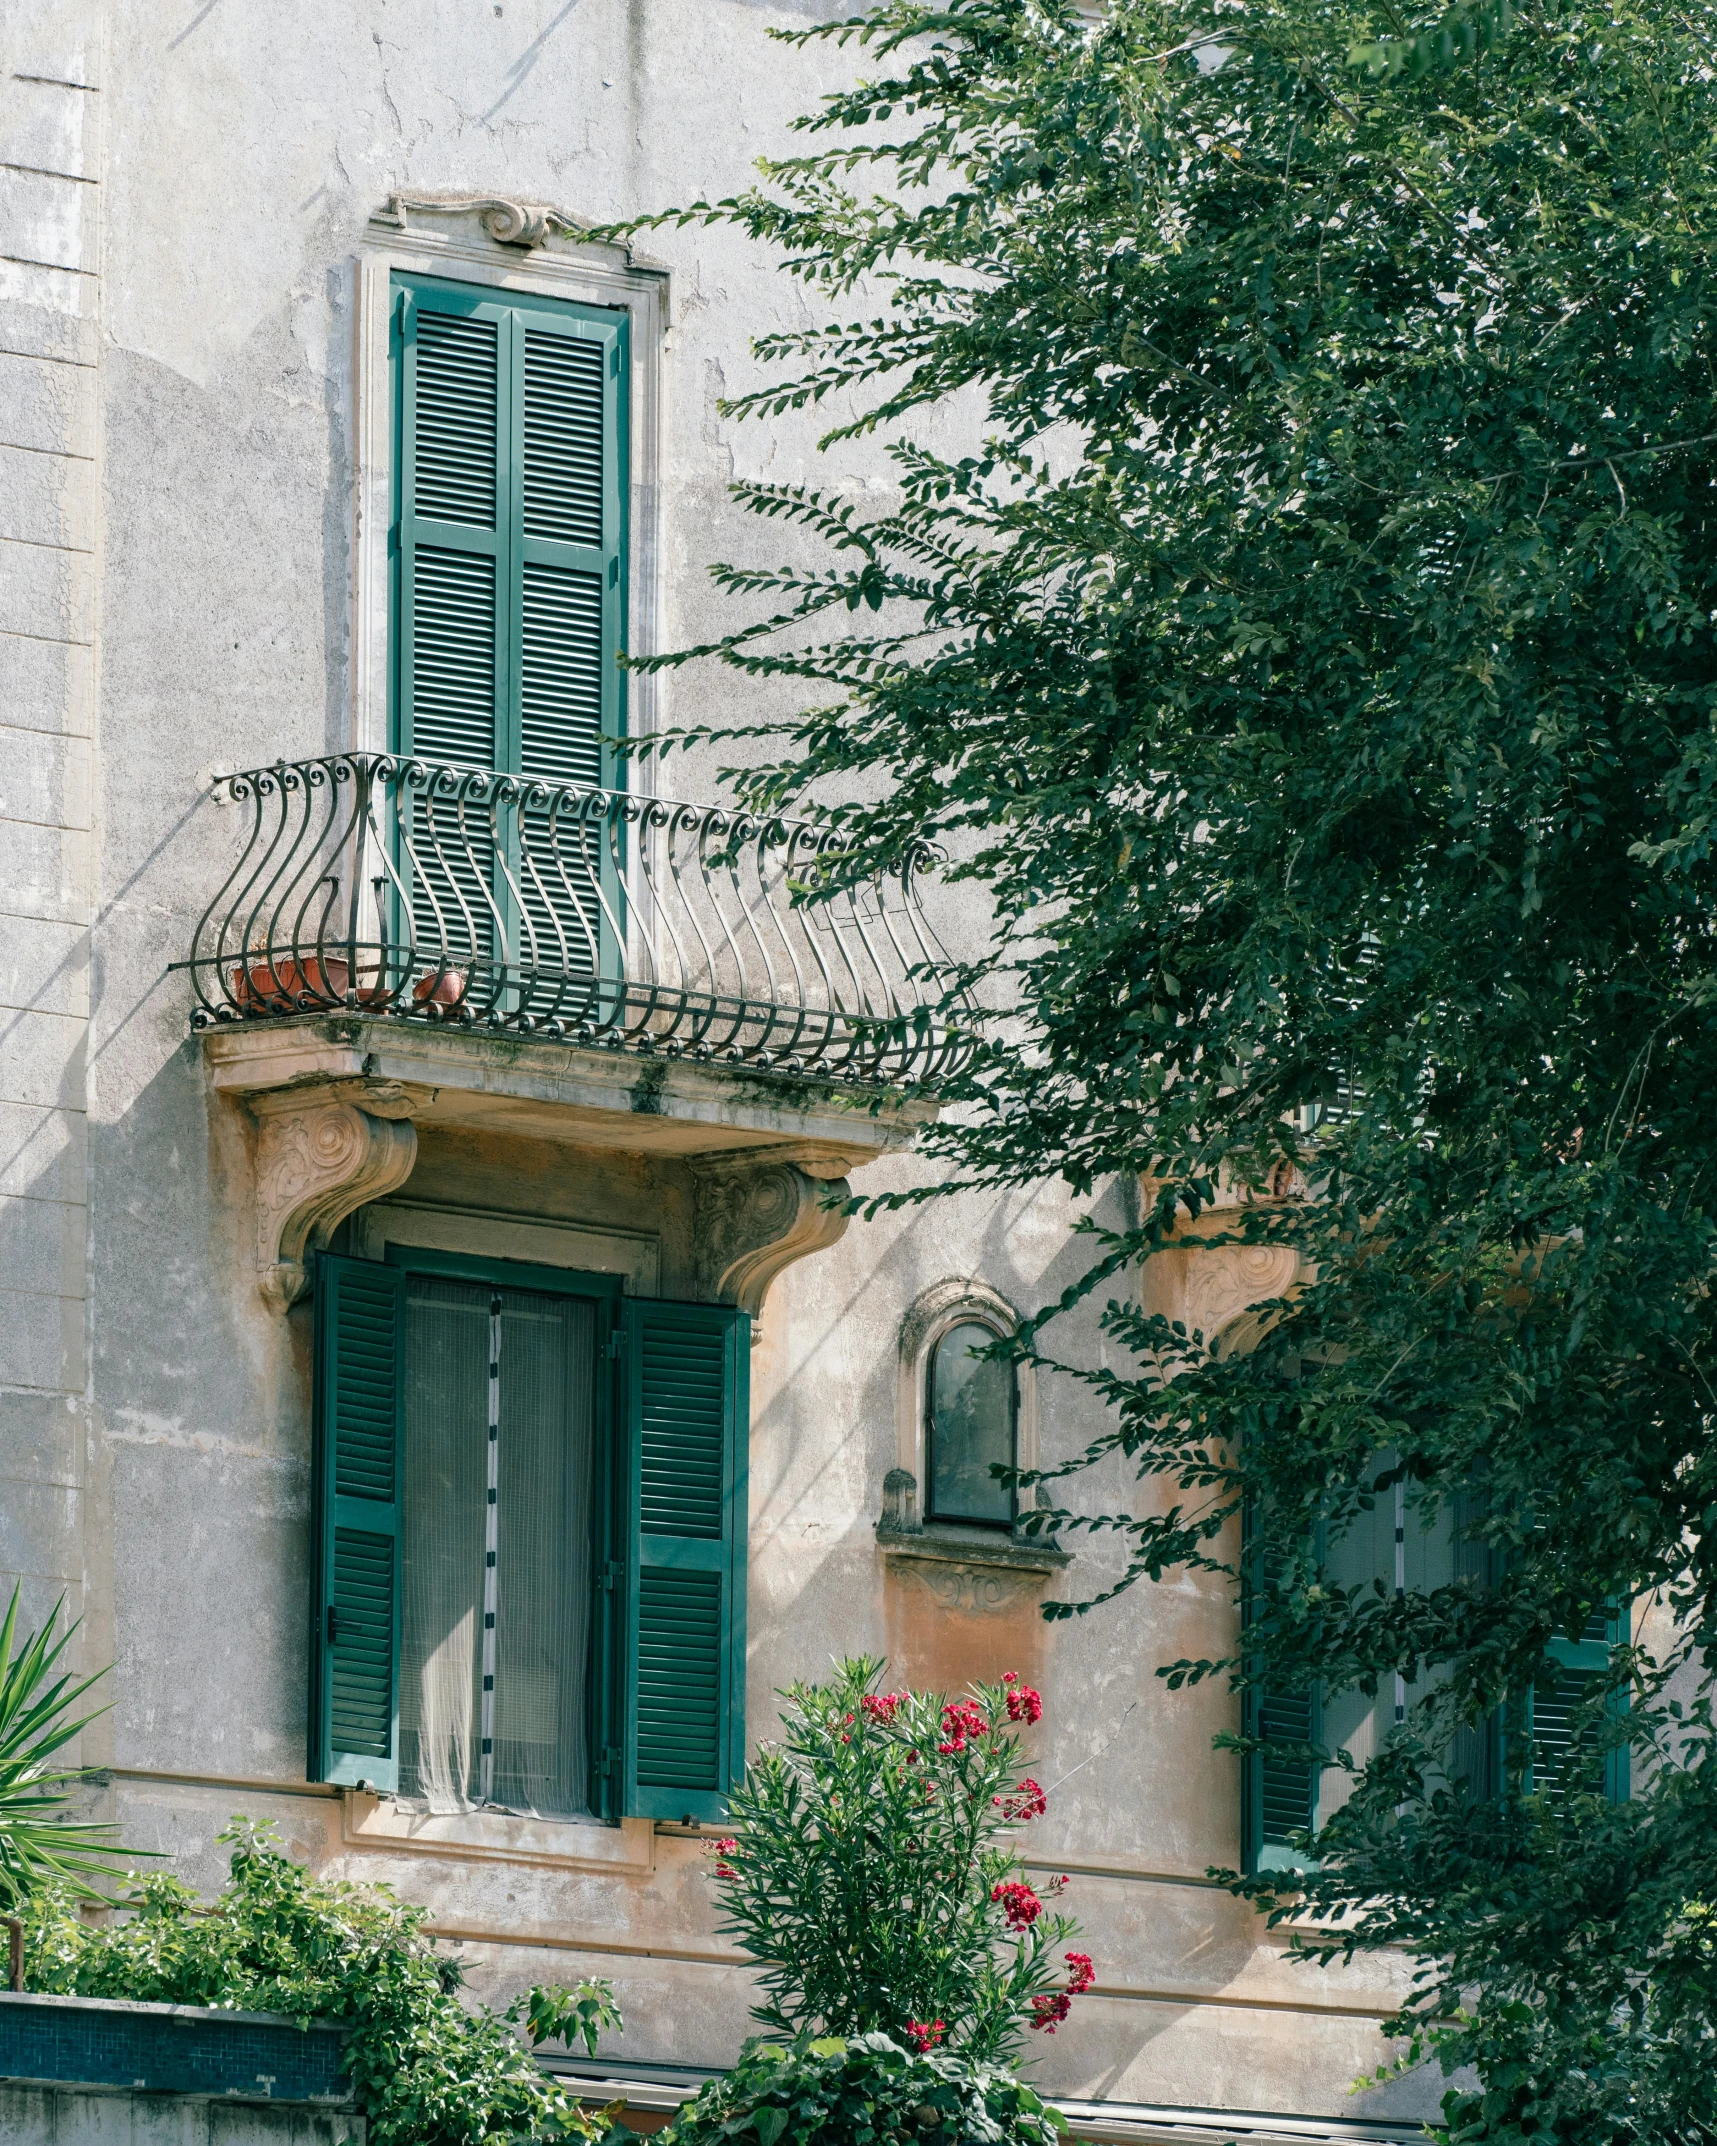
pixel 755 1216
pixel 321 1151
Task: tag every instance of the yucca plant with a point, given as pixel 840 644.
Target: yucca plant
pixel 39 1844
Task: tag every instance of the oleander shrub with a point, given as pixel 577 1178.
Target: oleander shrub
pixel 873 1873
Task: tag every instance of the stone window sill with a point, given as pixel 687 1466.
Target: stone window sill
pixel 943 1542
pixel 569 1844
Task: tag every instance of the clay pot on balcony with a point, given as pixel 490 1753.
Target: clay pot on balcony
pixel 278 987
pixel 441 987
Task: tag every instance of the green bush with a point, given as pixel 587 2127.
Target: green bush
pixel 424 2069
pixel 872 1872
pixel 863 2088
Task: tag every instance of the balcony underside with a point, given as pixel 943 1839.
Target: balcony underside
pixel 581 1094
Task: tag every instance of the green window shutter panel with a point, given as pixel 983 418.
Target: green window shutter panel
pixel 687 1380
pixel 355 1602
pixel 1554 1702
pixel 1278 1792
pixel 510 564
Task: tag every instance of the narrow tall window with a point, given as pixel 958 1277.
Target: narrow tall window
pixel 509 562
pixel 969 1428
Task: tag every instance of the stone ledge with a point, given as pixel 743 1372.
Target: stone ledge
pixel 579 1093
pixel 946 1544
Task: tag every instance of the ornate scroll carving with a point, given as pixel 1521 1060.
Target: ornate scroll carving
pixel 755 1217
pixel 508 222
pixel 1227 1280
pixel 320 1153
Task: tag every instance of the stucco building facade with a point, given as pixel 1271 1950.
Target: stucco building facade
pixel 243 249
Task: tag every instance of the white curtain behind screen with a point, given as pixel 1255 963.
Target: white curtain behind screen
pixel 547 1387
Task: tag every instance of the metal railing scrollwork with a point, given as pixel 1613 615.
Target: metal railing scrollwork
pixel 436 893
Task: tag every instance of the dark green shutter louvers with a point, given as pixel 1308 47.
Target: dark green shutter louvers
pixel 687 1378
pixel 355 1602
pixel 1278 1790
pixel 511 603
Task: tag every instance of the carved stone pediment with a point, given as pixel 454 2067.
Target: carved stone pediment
pixel 757 1214
pixel 321 1151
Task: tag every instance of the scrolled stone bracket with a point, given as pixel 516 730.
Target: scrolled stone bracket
pixel 322 1150
pixel 756 1215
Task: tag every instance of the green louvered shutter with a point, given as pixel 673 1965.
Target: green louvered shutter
pixel 1278 1791
pixel 510 547
pixel 354 1650
pixel 569 370
pixel 687 1375
pixel 453 549
pixel 1554 1700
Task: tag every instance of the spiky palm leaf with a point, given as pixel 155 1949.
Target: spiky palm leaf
pixel 39 1845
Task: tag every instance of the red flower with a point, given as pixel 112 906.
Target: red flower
pixel 1048 2011
pixel 883 1707
pixel 1020 1904
pixel 1083 1975
pixel 1023 1703
pixel 961 1719
pixel 926 2033
pixel 1026 1800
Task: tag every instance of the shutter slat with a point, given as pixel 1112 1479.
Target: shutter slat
pixel 355 1603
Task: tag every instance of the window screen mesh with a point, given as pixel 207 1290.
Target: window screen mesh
pixel 539 1762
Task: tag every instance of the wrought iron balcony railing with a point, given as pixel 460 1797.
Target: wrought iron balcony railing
pixel 436 893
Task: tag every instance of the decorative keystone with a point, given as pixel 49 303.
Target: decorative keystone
pixel 322 1151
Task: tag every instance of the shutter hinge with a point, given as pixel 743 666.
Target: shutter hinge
pixel 617 1344
pixel 610 1573
pixel 610 1762
pixel 333 1625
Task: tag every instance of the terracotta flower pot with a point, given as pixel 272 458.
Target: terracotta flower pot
pixel 441 987
pixel 291 986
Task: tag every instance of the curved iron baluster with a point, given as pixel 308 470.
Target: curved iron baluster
pixel 745 938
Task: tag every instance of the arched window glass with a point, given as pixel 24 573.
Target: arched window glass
pixel 970 1410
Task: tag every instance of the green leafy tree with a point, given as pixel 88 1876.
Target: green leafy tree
pixel 873 1875
pixel 425 2070
pixel 1314 655
pixel 40 1846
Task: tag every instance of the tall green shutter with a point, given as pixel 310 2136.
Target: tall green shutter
pixel 355 1603
pixel 1552 1703
pixel 510 561
pixel 687 1379
pixel 1278 1789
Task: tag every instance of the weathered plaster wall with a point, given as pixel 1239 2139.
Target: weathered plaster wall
pixel 248 147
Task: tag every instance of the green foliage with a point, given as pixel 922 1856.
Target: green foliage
pixel 872 1872
pixel 39 1846
pixel 425 2070
pixel 863 2088
pixel 1315 657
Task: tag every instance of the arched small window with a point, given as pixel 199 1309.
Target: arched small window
pixel 970 1420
